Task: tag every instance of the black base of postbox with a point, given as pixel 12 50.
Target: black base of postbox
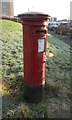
pixel 33 94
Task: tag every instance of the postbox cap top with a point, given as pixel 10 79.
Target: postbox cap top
pixel 33 14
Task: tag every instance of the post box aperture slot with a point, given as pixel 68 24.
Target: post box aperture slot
pixel 41 31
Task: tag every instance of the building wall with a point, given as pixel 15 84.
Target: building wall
pixel 71 10
pixel 7 8
pixel 12 7
pixel 54 19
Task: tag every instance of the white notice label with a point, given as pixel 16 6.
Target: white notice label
pixel 40 45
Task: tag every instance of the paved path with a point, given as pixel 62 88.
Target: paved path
pixel 64 38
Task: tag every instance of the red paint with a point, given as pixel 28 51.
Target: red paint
pixel 34 28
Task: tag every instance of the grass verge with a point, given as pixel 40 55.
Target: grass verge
pixel 57 90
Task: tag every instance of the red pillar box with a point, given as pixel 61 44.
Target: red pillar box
pixel 34 44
